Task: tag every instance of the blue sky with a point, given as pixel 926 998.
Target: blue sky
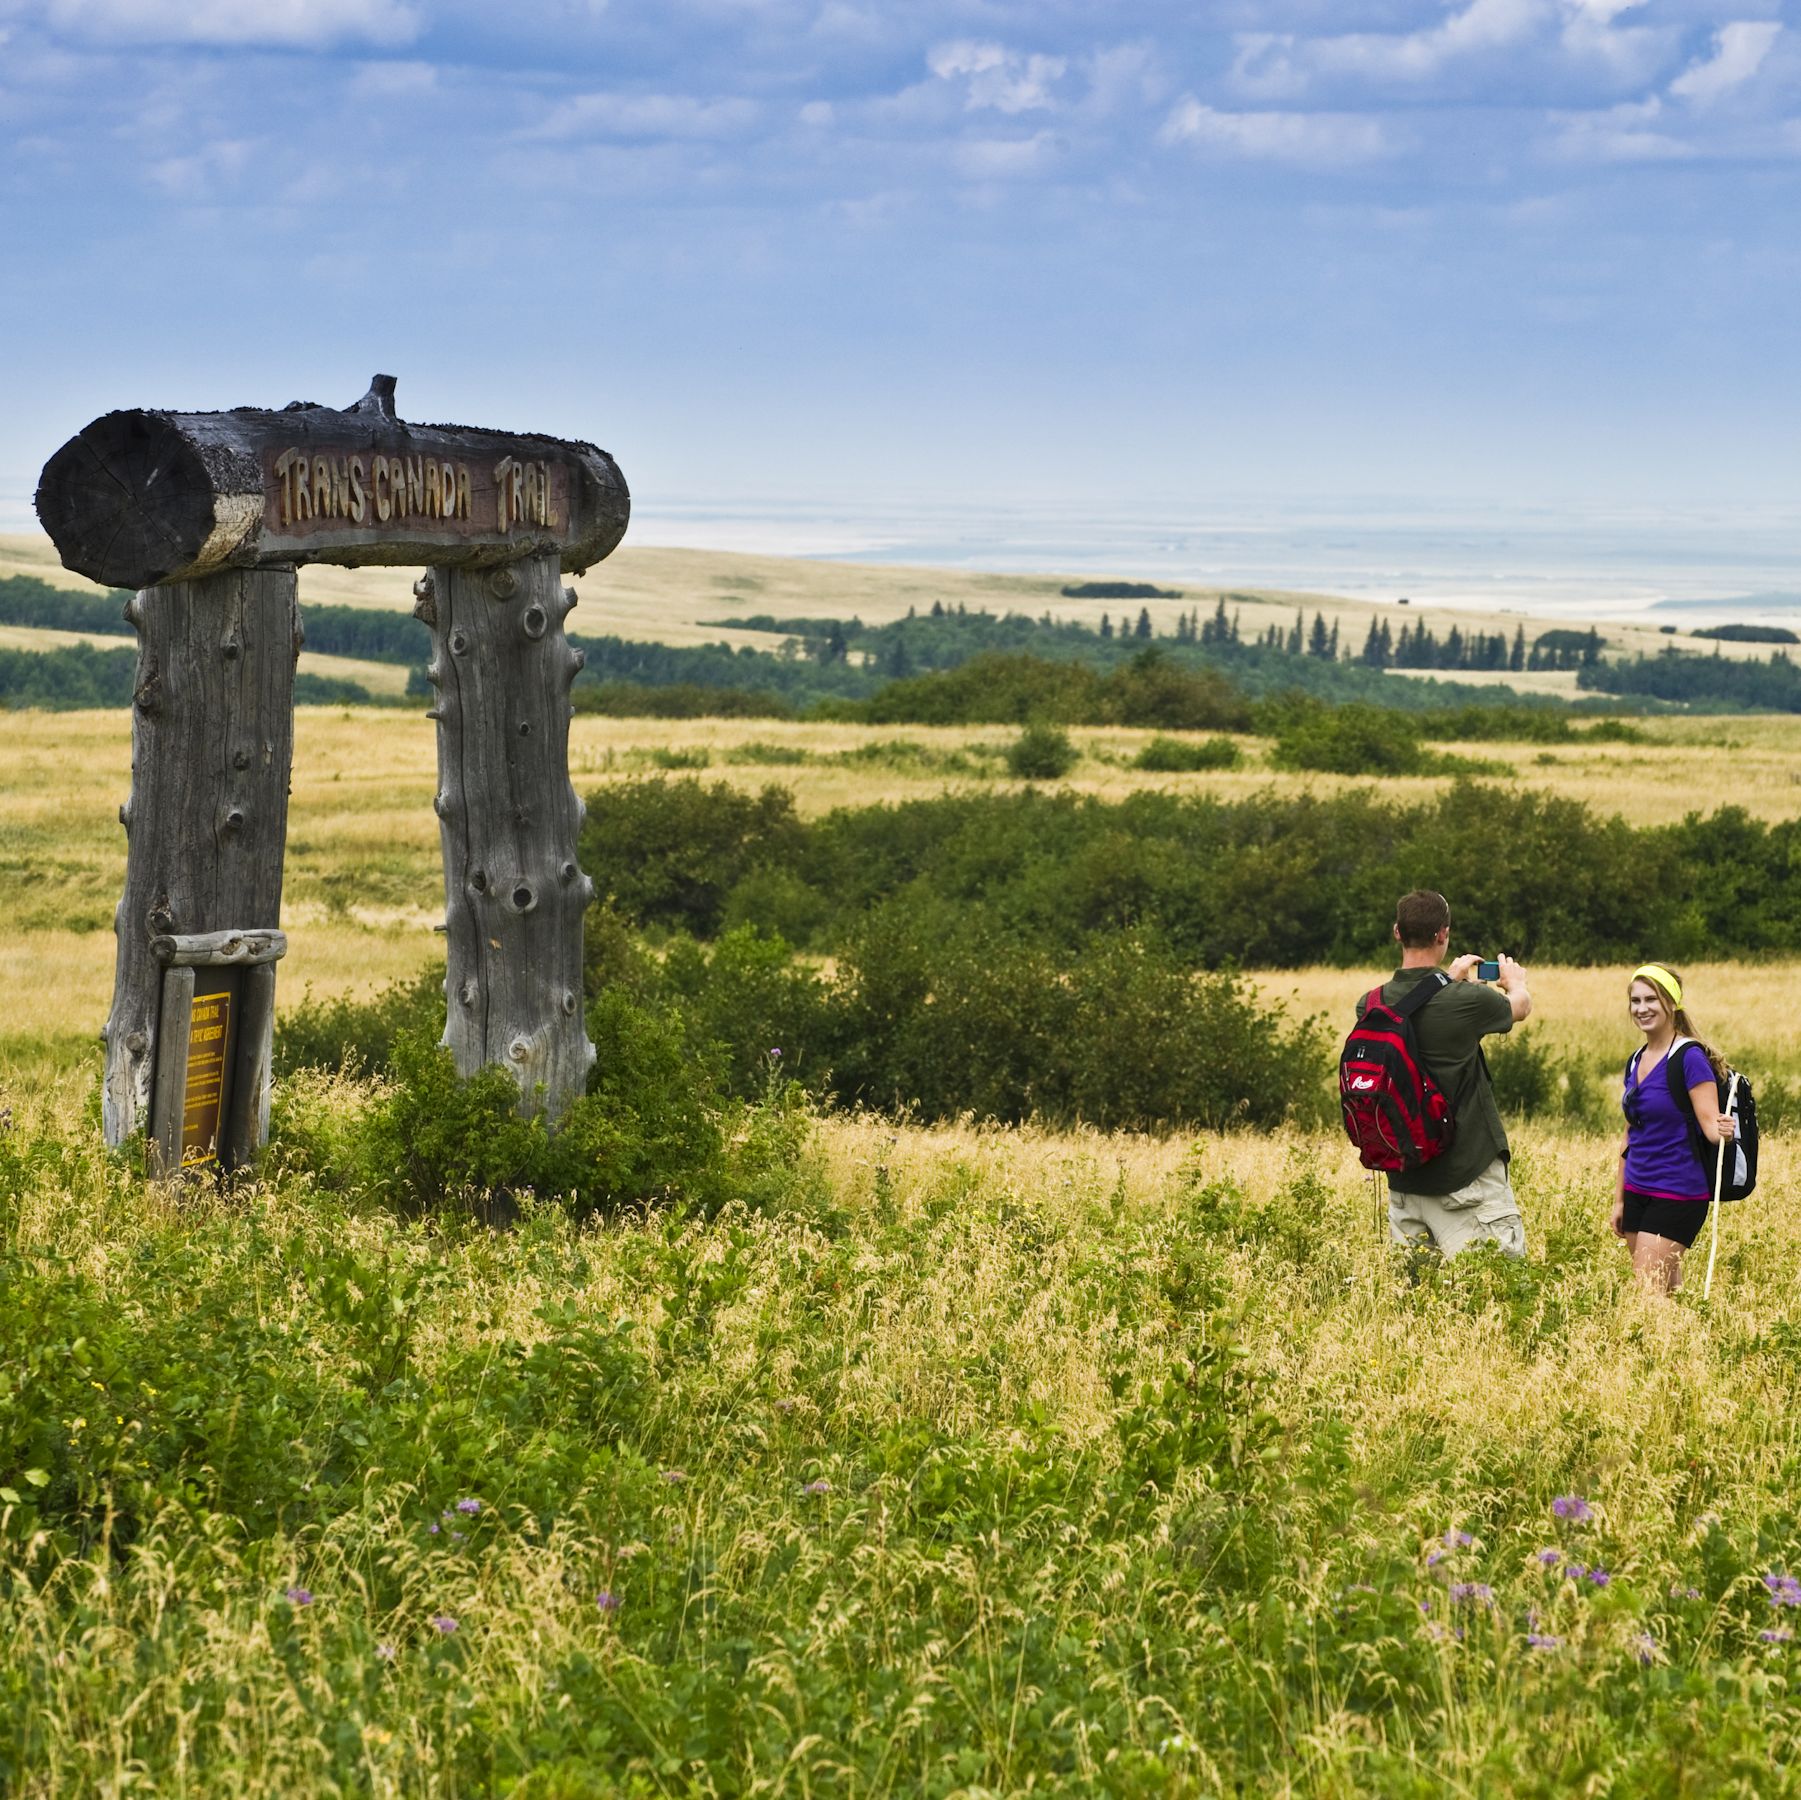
pixel 832 253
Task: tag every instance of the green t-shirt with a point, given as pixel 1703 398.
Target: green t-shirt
pixel 1449 1029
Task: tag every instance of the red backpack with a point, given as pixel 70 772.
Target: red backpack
pixel 1394 1112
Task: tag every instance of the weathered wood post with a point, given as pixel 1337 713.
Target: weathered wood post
pixel 514 894
pixel 208 515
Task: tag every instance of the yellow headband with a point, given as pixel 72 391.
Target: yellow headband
pixel 1661 977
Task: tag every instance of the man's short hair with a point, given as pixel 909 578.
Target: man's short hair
pixel 1420 917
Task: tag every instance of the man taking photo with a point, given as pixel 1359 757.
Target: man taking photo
pixel 1463 1196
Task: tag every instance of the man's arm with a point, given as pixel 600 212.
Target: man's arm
pixel 1513 985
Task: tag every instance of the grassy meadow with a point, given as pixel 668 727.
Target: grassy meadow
pixel 926 1458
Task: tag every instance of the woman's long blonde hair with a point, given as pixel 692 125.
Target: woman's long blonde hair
pixel 1685 1026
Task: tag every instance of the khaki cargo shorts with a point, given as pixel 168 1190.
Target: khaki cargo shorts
pixel 1483 1212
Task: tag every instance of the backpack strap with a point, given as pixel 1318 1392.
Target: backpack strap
pixel 1420 993
pixel 1685 1101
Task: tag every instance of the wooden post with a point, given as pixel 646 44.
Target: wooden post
pixel 212 744
pixel 514 893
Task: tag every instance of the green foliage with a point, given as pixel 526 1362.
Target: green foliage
pixel 668 852
pixel 1533 1083
pixel 1119 590
pixel 1041 753
pixel 1263 881
pixel 1351 740
pixel 1748 634
pixel 358 1035
pixel 1714 683
pixel 676 700
pixel 943 1014
pixel 1188 756
pixel 76 676
pixel 25 600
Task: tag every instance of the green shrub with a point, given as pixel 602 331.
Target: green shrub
pixel 1351 740
pixel 947 1014
pixel 668 852
pixel 358 1035
pixel 1041 753
pixel 1182 756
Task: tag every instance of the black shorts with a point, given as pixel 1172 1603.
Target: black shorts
pixel 1678 1220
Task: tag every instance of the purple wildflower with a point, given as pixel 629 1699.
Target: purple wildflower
pixel 1576 1571
pixel 1679 1592
pixel 444 1624
pixel 607 1600
pixel 1572 1506
pixel 469 1507
pixel 456 1537
pixel 1784 1590
pixel 817 1487
pixel 672 1476
pixel 1458 1540
pixel 1434 1559
pixel 299 1596
pixel 1779 1634
pixel 1479 1592
pixel 1550 1558
pixel 436 1528
pixel 1644 1647
pixel 1599 1576
pixel 775 1055
pixel 1543 1640
pixel 386 1652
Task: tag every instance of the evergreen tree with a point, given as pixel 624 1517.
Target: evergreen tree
pixel 1388 647
pixel 1294 637
pixel 1143 628
pixel 1234 623
pixel 1372 645
pixel 1591 651
pixel 1332 646
pixel 937 609
pixel 1453 657
pixel 1106 626
pixel 837 649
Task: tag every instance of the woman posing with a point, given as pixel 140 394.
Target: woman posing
pixel 1665 1186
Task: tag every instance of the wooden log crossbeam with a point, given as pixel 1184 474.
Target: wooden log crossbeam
pixel 219 949
pixel 139 498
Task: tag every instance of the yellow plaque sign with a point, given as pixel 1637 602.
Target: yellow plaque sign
pixel 203 1100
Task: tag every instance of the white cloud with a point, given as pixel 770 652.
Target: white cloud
pixel 199 175
pixel 1631 53
pixel 302 24
pixel 1006 159
pixel 1738 53
pixel 1312 138
pixel 818 113
pixel 1124 77
pixel 646 116
pixel 1620 134
pixel 393 80
pixel 995 77
pixel 1414 55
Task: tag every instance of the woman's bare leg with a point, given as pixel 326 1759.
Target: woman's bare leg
pixel 1656 1261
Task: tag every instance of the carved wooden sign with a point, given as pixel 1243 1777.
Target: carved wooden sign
pixel 140 498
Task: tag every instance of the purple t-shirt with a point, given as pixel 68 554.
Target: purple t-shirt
pixel 1660 1154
